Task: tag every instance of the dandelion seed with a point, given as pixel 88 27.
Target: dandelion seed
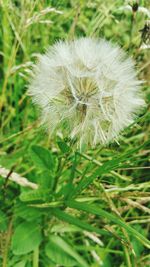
pixel 88 88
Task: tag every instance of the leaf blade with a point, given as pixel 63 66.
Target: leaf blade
pixel 26 238
pixel 90 208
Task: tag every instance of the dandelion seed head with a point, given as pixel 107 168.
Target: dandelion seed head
pixel 88 88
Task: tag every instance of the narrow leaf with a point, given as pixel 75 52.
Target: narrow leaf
pixel 105 168
pixel 61 215
pixel 42 157
pixel 38 194
pixel 67 248
pixel 98 211
pixel 58 256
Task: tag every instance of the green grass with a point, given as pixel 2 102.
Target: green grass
pixel 91 208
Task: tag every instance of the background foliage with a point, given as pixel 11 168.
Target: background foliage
pixel 91 208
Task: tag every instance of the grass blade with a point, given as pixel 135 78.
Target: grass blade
pixel 105 168
pixel 61 215
pixel 100 212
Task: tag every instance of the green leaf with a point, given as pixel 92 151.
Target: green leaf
pixel 43 158
pixel 90 208
pixel 105 168
pixel 21 263
pixel 57 255
pixel 3 221
pixel 26 212
pixel 33 195
pixel 61 215
pixel 26 238
pixel 63 147
pixel 67 249
pixel 45 179
pixel 138 247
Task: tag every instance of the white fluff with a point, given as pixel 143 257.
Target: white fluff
pixel 88 87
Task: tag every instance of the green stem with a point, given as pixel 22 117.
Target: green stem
pixel 59 171
pixel 132 27
pixel 36 257
pixel 127 257
pixel 57 175
pixel 6 249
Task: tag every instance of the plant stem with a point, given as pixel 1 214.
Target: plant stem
pixel 127 257
pixel 59 171
pixel 132 27
pixel 36 257
pixel 6 249
pixel 126 249
pixel 57 175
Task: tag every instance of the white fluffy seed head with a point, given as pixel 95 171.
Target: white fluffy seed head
pixel 88 88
